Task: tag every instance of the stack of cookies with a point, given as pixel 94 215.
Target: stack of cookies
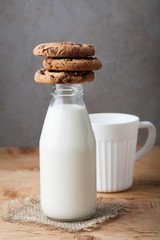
pixel 66 62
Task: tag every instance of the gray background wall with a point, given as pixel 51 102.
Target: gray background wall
pixel 126 36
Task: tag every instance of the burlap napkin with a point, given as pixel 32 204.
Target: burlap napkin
pixel 28 211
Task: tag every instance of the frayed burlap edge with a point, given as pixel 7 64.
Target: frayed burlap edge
pixel 28 211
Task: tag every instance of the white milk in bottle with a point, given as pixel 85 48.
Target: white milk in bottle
pixel 67 157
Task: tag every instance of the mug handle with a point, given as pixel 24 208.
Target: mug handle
pixel 150 140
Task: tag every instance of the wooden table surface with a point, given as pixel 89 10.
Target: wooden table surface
pixel 19 177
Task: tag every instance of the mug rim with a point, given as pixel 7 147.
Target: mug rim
pixel 133 119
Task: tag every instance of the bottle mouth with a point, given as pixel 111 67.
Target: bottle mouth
pixel 67 90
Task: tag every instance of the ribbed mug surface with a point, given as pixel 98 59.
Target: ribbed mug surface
pixel 115 164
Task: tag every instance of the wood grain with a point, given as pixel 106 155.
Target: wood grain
pixel 19 177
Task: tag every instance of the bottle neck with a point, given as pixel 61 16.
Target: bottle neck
pixel 67 94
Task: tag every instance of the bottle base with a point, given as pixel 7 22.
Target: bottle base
pixel 73 219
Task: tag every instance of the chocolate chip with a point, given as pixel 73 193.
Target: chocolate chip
pixel 66 80
pixel 79 73
pixel 73 73
pixel 58 81
pixel 74 44
pixel 69 43
pixel 52 51
pixel 78 44
pixel 43 46
pixel 41 72
pixel 51 76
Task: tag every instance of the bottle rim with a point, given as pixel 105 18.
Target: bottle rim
pixel 67 90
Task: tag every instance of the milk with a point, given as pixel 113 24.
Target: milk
pixel 67 163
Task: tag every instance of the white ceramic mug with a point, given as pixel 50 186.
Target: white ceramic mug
pixel 116 141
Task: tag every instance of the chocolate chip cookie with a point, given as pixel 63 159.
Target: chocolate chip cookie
pixel 67 64
pixel 64 50
pixel 58 77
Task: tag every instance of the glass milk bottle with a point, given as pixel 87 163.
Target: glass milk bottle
pixel 67 157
